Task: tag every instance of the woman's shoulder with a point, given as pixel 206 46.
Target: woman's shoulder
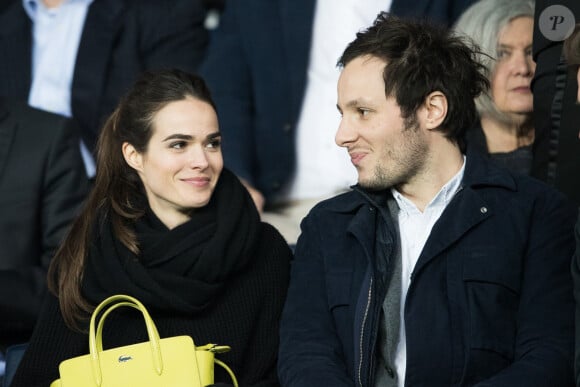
pixel 271 236
pixel 273 251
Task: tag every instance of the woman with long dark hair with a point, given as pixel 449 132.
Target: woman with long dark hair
pixel 167 224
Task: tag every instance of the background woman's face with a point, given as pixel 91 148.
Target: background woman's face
pixel 514 68
pixel 183 160
pixel 578 83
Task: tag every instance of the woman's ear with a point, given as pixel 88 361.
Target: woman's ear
pixel 132 157
pixel 436 105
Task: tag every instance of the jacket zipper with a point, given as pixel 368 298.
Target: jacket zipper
pixel 362 333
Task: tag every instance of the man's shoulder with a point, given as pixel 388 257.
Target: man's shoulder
pixel 493 181
pixel 344 202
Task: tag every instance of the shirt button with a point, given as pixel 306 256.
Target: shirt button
pixel 287 127
pixel 483 210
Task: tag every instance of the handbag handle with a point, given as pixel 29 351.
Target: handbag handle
pixel 101 324
pixel 96 341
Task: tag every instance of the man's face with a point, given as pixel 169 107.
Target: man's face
pixel 387 150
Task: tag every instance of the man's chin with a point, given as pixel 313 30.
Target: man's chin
pixel 372 185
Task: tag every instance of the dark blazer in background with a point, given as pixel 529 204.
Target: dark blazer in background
pixel 256 69
pixel 556 114
pixel 42 184
pixel 120 39
pixel 444 12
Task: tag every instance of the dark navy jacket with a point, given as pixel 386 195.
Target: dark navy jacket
pixel 489 303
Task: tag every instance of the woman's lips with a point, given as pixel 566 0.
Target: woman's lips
pixel 522 89
pixel 197 181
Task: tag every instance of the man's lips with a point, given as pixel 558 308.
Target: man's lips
pixel 356 157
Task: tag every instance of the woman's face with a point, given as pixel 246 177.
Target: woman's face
pixel 578 92
pixel 183 160
pixel 514 69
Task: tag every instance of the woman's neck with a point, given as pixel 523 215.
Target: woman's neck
pixel 502 137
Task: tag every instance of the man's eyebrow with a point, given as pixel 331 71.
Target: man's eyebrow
pixel 352 103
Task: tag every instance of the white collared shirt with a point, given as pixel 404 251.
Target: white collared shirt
pixel 414 229
pixel 56 37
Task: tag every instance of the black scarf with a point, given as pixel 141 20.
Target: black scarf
pixel 182 269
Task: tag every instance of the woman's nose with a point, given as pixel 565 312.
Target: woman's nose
pixel 198 158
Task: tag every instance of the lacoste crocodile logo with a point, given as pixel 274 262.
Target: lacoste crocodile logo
pixel 124 359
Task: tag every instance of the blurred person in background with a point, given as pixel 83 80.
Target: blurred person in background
pixel 556 113
pixel 571 50
pixel 42 185
pixel 503 31
pixel 77 57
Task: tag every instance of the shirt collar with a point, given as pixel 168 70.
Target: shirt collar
pixel 31 6
pixel 443 197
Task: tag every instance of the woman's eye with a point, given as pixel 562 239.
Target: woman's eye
pixel 177 145
pixel 214 144
pixel 502 54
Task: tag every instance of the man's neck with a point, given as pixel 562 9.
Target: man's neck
pixel 442 163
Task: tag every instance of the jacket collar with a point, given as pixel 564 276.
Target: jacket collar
pixel 479 173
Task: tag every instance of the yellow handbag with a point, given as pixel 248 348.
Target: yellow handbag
pixel 173 361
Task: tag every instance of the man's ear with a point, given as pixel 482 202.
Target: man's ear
pixel 436 106
pixel 132 157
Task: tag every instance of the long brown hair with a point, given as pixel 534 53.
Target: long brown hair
pixel 117 187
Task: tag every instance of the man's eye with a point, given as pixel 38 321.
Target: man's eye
pixel 177 145
pixel 363 112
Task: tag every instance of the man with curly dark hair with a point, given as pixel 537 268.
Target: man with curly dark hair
pixel 439 268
